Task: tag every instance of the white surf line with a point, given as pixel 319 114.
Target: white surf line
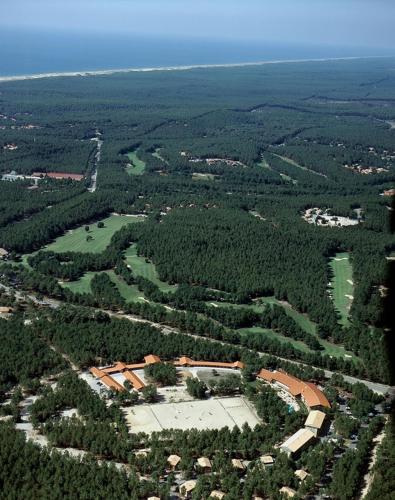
pixel 14 78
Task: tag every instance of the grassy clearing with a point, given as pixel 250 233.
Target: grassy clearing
pixel 342 287
pixel 75 239
pixel 129 292
pixel 83 285
pixel 156 154
pixel 297 344
pixel 146 269
pixel 264 164
pixel 197 176
pixel 301 319
pixel 137 166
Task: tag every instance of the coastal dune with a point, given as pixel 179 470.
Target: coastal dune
pixel 171 68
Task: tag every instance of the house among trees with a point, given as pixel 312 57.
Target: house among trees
pixel 287 491
pixel 187 487
pixel 266 460
pixel 173 461
pixel 237 464
pixel 301 474
pixel 217 494
pixel 204 463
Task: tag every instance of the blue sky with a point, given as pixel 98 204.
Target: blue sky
pixel 334 22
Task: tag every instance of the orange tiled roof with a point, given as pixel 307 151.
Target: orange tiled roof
pixel 96 372
pixel 135 366
pixel 151 358
pixel 136 381
pixel 59 175
pixel 111 383
pixel 118 367
pixel 183 361
pixel 314 397
pixel 308 391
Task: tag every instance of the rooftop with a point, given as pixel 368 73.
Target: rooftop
pixel 315 419
pixel 298 440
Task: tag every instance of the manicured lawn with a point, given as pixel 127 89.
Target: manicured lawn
pixel 301 319
pixel 129 292
pixel 145 269
pixel 75 239
pixel 137 166
pixel 342 287
pixel 83 285
pixel 297 344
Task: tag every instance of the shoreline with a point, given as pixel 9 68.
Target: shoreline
pixel 105 72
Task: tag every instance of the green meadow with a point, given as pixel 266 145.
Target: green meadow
pixel 75 240
pixel 141 267
pixel 342 288
pixel 136 166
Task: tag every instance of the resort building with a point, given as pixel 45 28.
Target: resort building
pixel 309 393
pixel 298 442
pixel 315 421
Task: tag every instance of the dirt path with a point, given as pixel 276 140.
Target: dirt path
pixel 99 142
pixel 368 478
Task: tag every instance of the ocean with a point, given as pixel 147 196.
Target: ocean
pixel 29 52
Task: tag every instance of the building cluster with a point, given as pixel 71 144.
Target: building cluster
pixel 305 392
pixel 312 397
pixel 37 176
pixel 105 374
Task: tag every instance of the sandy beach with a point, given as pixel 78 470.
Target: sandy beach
pixel 172 68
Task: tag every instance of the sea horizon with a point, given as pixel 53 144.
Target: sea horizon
pixel 30 53
pixel 110 71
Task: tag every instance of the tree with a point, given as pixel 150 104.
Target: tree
pixel 149 393
pixel 100 225
pixel 196 388
pixel 162 373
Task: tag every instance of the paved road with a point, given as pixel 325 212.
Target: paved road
pixel 374 386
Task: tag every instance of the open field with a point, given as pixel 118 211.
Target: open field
pixel 297 344
pixel 75 239
pixel 156 154
pixel 129 292
pixel 342 287
pixel 197 176
pixel 204 414
pixel 145 269
pixel 137 166
pixel 301 319
pixel 83 285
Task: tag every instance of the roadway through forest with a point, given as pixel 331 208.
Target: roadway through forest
pixel 166 329
pixel 374 386
pixel 368 478
pixel 99 144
